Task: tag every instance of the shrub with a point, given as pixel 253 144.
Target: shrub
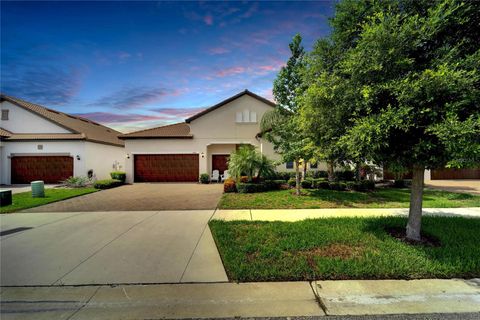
pixel 292 182
pixel 273 184
pixel 317 181
pixel 350 185
pixel 323 185
pixel 345 175
pixel 250 187
pixel 204 178
pixel 307 183
pixel 339 186
pixel 244 179
pixel 364 185
pixel 321 174
pixel 118 175
pixel 399 183
pixel 229 186
pixel 107 184
pixel 77 182
pixel 369 185
pixel 285 176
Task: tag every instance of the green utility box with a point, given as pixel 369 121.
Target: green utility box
pixel 38 189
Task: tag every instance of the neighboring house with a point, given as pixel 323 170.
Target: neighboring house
pixel 201 144
pixel 37 143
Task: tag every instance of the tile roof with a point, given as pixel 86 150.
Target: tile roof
pixel 224 102
pixel 173 131
pixel 90 130
pixel 5 133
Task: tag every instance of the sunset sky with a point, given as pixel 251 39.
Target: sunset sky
pixel 134 65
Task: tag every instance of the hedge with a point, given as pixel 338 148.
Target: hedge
pixel 250 187
pixel 118 175
pixel 107 184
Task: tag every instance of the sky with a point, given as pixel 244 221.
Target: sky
pixel 136 65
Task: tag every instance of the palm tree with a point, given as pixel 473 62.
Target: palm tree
pixel 247 161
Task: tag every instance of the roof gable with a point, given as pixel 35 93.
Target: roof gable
pixel 90 130
pixel 224 102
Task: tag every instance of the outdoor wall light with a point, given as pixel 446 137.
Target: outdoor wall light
pixel 128 156
pixel 203 155
pixel 78 157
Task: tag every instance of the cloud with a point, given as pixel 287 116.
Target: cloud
pixel 218 50
pixel 133 97
pixel 48 85
pixel 178 112
pixel 111 117
pixel 208 20
pixel 230 71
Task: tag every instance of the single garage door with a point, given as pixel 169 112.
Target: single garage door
pixel 166 167
pixel 445 174
pixel 50 169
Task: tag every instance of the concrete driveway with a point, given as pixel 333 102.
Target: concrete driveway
pixel 108 248
pixel 142 197
pixel 464 186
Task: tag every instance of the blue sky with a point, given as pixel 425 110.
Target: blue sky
pixel 134 65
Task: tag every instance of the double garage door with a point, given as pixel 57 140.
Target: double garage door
pixel 50 169
pixel 166 167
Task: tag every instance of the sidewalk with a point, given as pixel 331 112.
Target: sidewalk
pixel 301 214
pixel 221 300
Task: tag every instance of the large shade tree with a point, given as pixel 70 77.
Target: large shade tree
pixel 416 69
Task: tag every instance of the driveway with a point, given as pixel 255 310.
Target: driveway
pixel 142 197
pixel 464 186
pixel 108 248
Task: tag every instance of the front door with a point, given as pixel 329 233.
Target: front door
pixel 220 162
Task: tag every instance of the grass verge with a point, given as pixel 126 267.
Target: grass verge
pixel 24 200
pixel 346 248
pixel 313 199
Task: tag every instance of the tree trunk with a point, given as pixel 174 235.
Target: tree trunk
pixel 297 177
pixel 331 175
pixel 358 168
pixel 415 213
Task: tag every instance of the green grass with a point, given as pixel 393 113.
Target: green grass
pixel 346 248
pixel 313 199
pixel 24 200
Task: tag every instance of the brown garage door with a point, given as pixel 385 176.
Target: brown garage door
pixel 166 167
pixel 444 174
pixel 50 169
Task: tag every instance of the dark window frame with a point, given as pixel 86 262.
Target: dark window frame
pixel 289 165
pixel 5 114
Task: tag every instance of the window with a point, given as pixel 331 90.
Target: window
pixel 246 116
pixel 4 114
pixel 313 165
pixel 289 165
pixel 253 116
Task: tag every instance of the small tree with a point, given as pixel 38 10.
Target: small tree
pixel 281 126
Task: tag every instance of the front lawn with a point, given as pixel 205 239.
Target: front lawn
pixel 320 198
pixel 24 200
pixel 346 248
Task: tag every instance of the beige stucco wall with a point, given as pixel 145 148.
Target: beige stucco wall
pixel 23 121
pixel 103 159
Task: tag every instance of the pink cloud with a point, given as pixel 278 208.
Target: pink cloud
pixel 230 71
pixel 178 112
pixel 208 19
pixel 111 117
pixel 218 50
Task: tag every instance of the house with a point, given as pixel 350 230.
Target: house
pixel 201 144
pixel 37 143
